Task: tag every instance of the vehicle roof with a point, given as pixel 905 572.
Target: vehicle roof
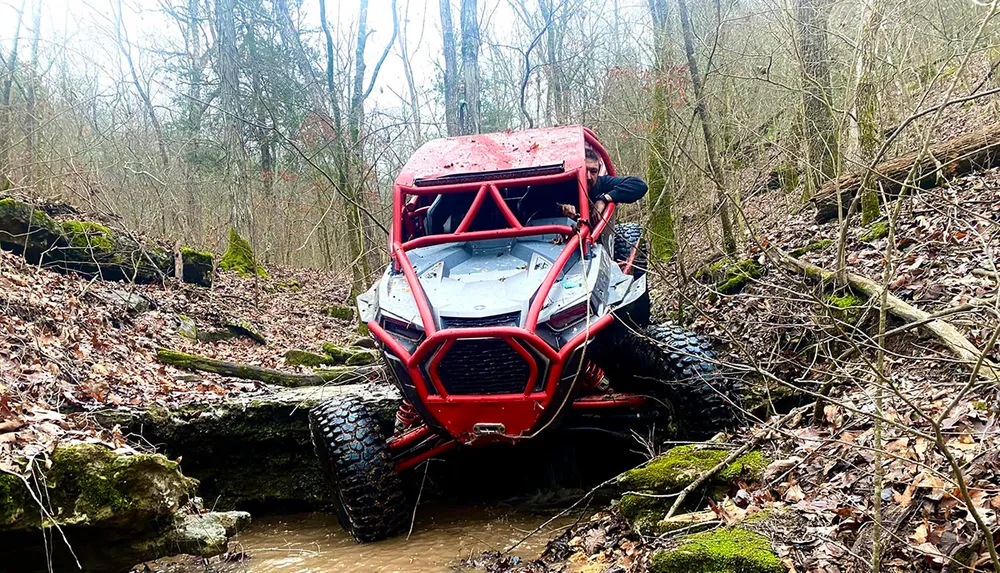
pixel 496 151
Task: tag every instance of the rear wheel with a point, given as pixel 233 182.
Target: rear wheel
pixel 669 360
pixel 353 454
pixel 627 236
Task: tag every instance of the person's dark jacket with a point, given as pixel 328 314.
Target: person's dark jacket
pixel 621 189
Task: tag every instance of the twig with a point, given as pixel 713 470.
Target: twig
pixel 413 518
pixel 730 458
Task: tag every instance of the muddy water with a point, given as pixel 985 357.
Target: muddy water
pixel 442 537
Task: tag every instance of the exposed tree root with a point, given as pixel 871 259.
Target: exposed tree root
pixel 319 377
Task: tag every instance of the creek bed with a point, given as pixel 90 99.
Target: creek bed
pixel 443 536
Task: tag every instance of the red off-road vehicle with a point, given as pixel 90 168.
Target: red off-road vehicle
pixel 498 317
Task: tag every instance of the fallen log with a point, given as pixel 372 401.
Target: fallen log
pixel 946 334
pixel 972 152
pixel 336 376
pixel 93 249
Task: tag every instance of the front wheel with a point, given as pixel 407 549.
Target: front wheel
pixel 353 455
pixel 669 360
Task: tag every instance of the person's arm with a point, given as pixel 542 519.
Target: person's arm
pixel 619 189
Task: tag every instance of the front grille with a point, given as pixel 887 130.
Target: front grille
pixel 483 366
pixel 509 319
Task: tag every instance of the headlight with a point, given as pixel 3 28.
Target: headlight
pixel 569 316
pixel 402 330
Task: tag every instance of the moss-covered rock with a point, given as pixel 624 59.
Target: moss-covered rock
pixel 730 276
pixel 187 327
pixel 88 484
pixel 251 451
pixel 198 266
pixel 846 306
pixel 306 358
pixel 339 311
pixel 738 275
pixel 650 486
pixel 677 467
pixel 879 230
pixel 88 235
pixel 12 499
pixel 721 551
pixel 239 257
pixel 350 356
pixel 85 247
pixel 114 509
pixel 243 327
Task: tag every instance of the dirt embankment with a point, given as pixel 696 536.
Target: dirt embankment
pixel 812 506
pixel 81 372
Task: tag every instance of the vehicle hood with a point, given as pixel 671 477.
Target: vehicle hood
pixel 481 278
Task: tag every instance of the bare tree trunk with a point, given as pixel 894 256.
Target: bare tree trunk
pixel 360 228
pixel 707 128
pixel 663 239
pixel 410 82
pixel 195 109
pixel 821 141
pixel 469 110
pixel 553 42
pixel 235 152
pixel 866 108
pixel 126 48
pixel 30 118
pixel 6 171
pixel 450 70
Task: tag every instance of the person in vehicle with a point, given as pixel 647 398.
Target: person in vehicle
pixel 604 189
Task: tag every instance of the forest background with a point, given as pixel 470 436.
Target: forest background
pixel 288 120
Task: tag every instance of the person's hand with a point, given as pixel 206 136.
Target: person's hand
pixel 568 210
pixel 599 207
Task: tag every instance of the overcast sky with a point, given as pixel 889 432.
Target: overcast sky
pixel 89 24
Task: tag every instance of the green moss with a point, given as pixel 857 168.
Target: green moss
pixel 978 405
pixel 748 467
pixel 91 483
pixel 738 275
pixel 290 285
pixel 349 356
pixel 363 329
pixel 632 506
pixel 676 468
pixel 341 312
pixel 12 499
pixel 306 358
pixel 193 257
pixel 845 301
pixel 813 247
pixel 663 239
pixel 877 231
pixel 721 551
pixel 239 257
pixel 88 235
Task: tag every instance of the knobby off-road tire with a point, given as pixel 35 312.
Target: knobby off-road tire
pixel 353 455
pixel 627 235
pixel 671 362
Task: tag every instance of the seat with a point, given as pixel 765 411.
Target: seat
pixel 542 201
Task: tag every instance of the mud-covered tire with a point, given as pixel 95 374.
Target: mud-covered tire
pixel 627 235
pixel 354 457
pixel 669 360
